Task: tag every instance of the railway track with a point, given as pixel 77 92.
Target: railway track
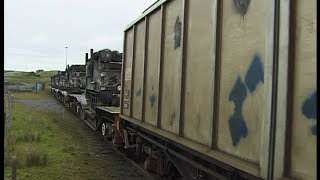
pixel 103 146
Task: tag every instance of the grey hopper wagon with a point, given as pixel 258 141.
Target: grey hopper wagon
pixel 229 84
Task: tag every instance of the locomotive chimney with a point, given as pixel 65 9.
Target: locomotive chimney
pixel 87 66
pixel 92 63
pixel 86 59
pixel 91 54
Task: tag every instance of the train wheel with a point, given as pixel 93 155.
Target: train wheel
pixel 103 129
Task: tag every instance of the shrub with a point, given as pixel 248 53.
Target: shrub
pixel 31 73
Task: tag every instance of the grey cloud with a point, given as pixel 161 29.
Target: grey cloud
pixel 37 31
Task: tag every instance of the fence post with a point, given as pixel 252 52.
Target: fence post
pixel 14 168
pixel 4 124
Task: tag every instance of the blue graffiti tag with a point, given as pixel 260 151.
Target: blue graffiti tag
pixel 255 73
pixel 309 109
pixel 237 124
pixel 138 93
pixel 152 100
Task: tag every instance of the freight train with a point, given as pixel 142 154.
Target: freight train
pixel 208 89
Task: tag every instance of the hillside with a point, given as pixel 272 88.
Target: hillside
pixel 28 77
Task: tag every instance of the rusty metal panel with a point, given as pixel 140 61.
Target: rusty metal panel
pixel 170 106
pixel 152 64
pixel 127 72
pixel 303 150
pixel 242 78
pixel 138 70
pixel 200 61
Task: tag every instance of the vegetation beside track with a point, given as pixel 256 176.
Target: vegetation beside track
pixel 55 144
pixel 33 138
pixel 44 150
pixel 29 77
pixel 28 95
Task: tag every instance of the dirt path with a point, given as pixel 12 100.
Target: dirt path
pixel 91 157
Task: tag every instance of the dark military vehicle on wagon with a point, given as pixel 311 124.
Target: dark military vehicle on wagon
pixel 76 79
pixel 103 85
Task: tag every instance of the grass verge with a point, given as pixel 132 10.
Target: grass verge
pixel 41 77
pixel 38 142
pixel 32 95
pixel 50 145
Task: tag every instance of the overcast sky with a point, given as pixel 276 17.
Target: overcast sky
pixel 36 32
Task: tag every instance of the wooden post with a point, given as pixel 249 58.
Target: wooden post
pixel 14 167
pixel 4 123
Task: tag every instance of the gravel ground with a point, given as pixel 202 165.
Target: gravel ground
pixel 96 159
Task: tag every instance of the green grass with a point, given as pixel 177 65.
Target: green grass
pixel 35 157
pixel 47 73
pixel 48 145
pixel 32 95
pixel 25 77
pixel 42 149
pixel 29 136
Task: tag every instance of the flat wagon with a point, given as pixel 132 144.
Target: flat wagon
pixel 225 88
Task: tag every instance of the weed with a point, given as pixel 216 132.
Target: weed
pixel 49 127
pixel 10 148
pixel 55 120
pixel 35 157
pixel 29 136
pixel 10 143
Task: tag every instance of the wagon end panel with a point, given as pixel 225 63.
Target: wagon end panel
pixel 127 79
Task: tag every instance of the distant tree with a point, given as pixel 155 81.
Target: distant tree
pixel 33 74
pixel 39 70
